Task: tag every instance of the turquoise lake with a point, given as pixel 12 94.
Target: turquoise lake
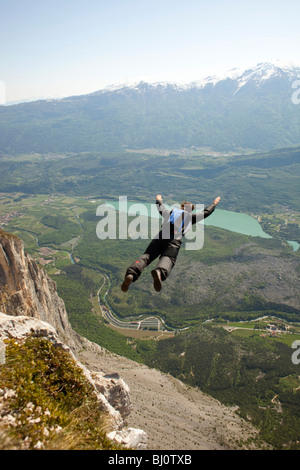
pixel 233 221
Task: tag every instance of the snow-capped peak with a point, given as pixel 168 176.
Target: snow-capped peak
pixel 259 74
pixel 140 86
pixel 267 70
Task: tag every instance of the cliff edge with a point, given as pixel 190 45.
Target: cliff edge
pixel 31 307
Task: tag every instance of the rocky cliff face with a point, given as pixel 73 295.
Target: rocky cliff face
pixel 28 289
pixel 29 304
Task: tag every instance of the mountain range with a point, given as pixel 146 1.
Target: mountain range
pixel 129 139
pixel 252 109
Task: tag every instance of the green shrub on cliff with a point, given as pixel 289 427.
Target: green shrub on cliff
pixel 46 402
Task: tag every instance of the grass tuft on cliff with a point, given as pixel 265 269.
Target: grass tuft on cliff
pixel 46 402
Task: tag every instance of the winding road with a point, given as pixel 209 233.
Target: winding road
pixel 152 323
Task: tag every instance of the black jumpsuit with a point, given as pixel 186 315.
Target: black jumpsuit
pixel 167 243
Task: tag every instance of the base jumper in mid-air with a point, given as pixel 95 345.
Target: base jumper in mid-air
pixel 166 244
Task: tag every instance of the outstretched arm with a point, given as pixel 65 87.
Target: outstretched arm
pixel 206 212
pixel 160 207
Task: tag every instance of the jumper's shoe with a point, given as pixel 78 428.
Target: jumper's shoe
pixel 127 281
pixel 156 279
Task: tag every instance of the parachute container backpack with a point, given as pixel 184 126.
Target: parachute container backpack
pixel 178 215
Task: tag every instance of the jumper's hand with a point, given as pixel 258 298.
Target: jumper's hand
pixel 159 198
pixel 217 200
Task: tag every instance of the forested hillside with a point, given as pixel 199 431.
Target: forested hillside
pixel 257 376
pixel 248 111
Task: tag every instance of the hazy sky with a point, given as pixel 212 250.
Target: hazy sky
pixel 66 47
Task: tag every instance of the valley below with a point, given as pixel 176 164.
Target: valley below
pixel 174 415
pixel 222 329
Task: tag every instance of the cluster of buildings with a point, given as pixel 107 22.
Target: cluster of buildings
pixel 268 330
pixel 5 218
pixel 274 330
